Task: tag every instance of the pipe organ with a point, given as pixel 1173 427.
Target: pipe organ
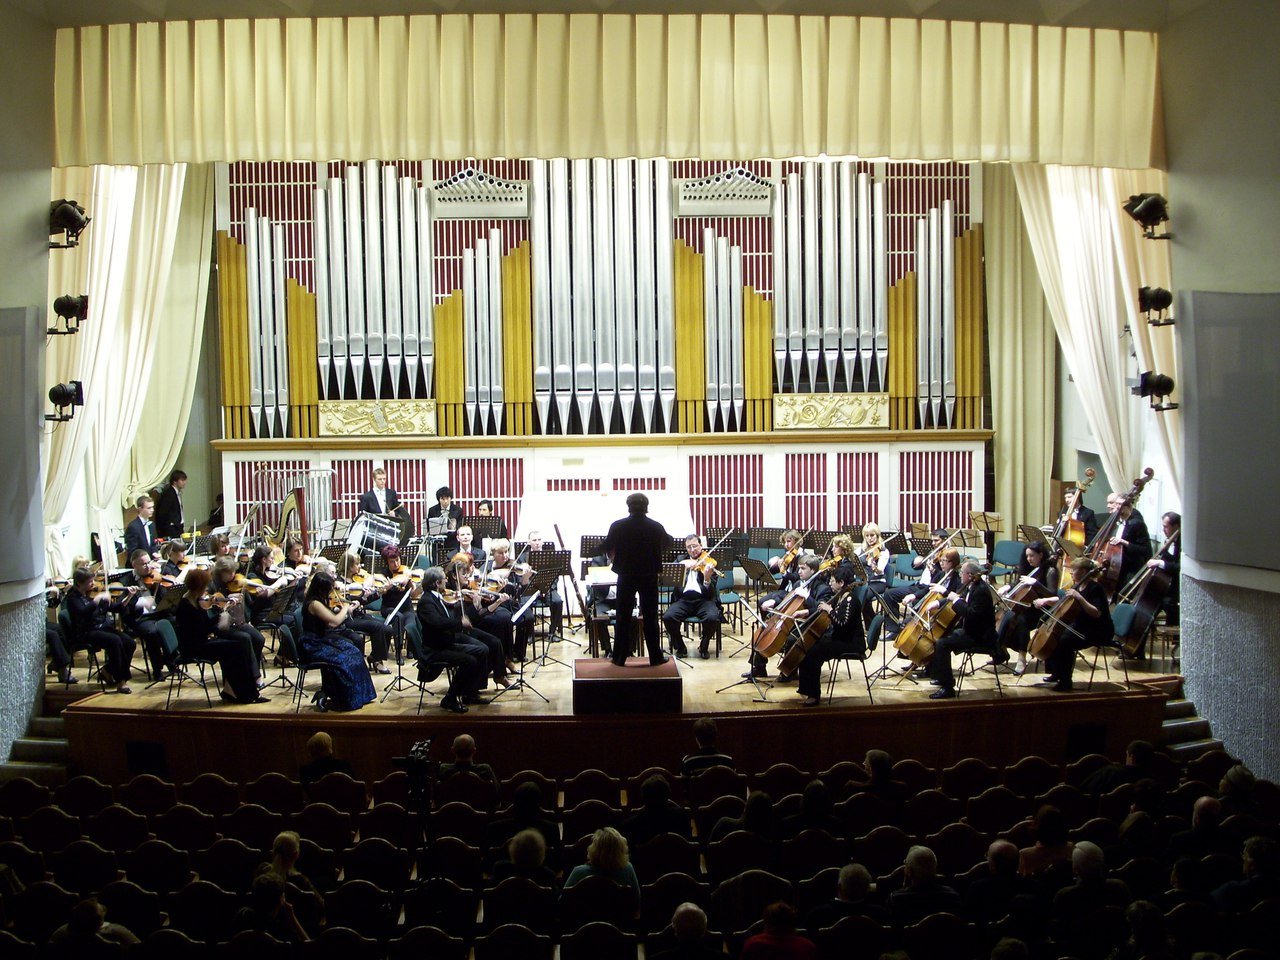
pixel 592 296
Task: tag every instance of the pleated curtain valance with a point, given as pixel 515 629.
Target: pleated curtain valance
pixel 586 85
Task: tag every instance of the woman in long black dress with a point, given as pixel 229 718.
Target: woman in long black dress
pixel 228 582
pixel 202 632
pixel 1040 573
pixel 345 680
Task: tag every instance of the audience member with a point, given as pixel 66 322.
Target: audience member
pixel 269 912
pixel 285 851
pixel 526 857
pixel 1188 883
pixel 87 928
pixel 852 899
pixel 708 754
pixel 988 897
pixel 1137 837
pixel 323 762
pixel 779 940
pixel 1052 845
pixel 464 753
pixel 1261 879
pixel 1204 837
pixel 1010 948
pixel 1147 938
pixel 757 818
pixel 526 813
pixel 689 924
pixel 1236 791
pixel 1091 891
pixel 922 892
pixel 879 767
pixel 659 814
pixel 1136 766
pixel 815 812
pixel 607 856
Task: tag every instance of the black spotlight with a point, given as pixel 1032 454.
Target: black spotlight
pixel 67 218
pixel 64 396
pixel 1157 386
pixel 1155 300
pixel 1150 210
pixel 71 311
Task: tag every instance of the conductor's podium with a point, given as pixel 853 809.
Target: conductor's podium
pixel 600 687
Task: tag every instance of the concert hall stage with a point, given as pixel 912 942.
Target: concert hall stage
pixel 113 736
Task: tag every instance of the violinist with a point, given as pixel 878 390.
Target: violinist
pixel 1168 559
pixel 1081 513
pixel 137 610
pixel 930 598
pixel 294 558
pixel 1131 534
pixel 357 582
pixel 812 588
pixel 489 610
pixel 875 557
pixel 785 565
pixel 345 683
pixel 975 630
pixel 697 597
pixel 205 630
pixel 845 634
pixel 1037 577
pixel 399 582
pixel 842 552
pixel 174 560
pixel 511 579
pixel 140 534
pixel 555 602
pixel 1090 627
pixel 227 583
pixel 219 546
pixel 92 625
pixel 926 576
pixel 450 640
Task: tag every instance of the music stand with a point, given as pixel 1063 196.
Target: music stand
pixel 400 681
pixel 1032 534
pixel 672 577
pixel 898 543
pixel 484 528
pixel 529 596
pixel 541 584
pixel 922 546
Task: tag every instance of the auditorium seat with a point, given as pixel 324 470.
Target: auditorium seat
pixel 203 911
pixel 808 852
pixel 468 788
pixel 514 942
pixel 380 862
pixel 341 943
pixel 341 791
pixel 118 828
pixel 521 901
pixel 319 864
pixel 83 796
pixel 598 941
pixel 1210 766
pixel 881 850
pixel 327 826
pixel 587 817
pixel 943 936
pixel 363 907
pixel 1081 770
pixel 276 792
pixel 211 793
pixel 159 867
pixel 170 943
pixel 863 812
pixel 659 899
pixel 452 858
pixel 740 901
pixel 1032 776
pixel 21 797
pixel 1076 807
pixel 915 775
pixel 230 863
pixel 148 795
pixel 255 945
pixel 715 782
pixel 844 778
pixel 49 829
pixel 442 903
pixel 780 780
pixel 1097 830
pixel 851 938
pixel 253 825
pixel 460 820
pixel 635 784
pixel 592 784
pixel 706 817
pixel 84 868
pixel 968 778
pixel 426 942
pixel 996 809
pixel 930 810
pixel 958 846
pixel 15 948
pixel 132 907
pixel 27 864
pixel 187 828
pixel 549 787
pixel 389 821
pixel 393 788
pixel 738 851
pixel 664 854
pixel 596 899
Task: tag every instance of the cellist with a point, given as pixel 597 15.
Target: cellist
pixel 929 599
pixel 975 630
pixel 1168 559
pixel 845 634
pixel 1089 622
pixel 811 588
pixel 1037 577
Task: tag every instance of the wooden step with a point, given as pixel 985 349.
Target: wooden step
pixel 1175 709
pixel 40 750
pixel 1185 730
pixel 49 774
pixel 1186 752
pixel 47 727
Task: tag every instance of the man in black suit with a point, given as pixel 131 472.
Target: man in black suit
pixel 140 534
pixel 1132 535
pixel 697 597
pixel 485 509
pixel 447 641
pixel 977 630
pixel 1081 513
pixel 923 893
pixel 636 545
pixel 445 507
pixel 384 501
pixel 169 517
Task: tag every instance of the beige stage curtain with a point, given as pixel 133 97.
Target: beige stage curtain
pixel 1023 351
pixel 1068 218
pixel 1148 263
pixel 591 85
pixel 171 387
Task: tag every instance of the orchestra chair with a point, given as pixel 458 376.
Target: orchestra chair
pixel 968 668
pixel 304 665
pixel 1006 557
pixel 413 637
pixel 1122 620
pixel 861 656
pixel 73 643
pixel 182 664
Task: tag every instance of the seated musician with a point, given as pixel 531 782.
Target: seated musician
pixel 174 560
pixel 140 534
pixel 1038 572
pixel 974 628
pixel 93 626
pixel 846 634
pixel 555 602
pixel 467 545
pixel 399 583
pixel 929 599
pixel 259 600
pixel 205 630
pixel 1168 559
pixel 449 639
pixel 345 680
pixel 447 516
pixel 812 588
pixel 359 584
pixel 793 546
pixel 219 546
pixel 697 597
pixel 485 509
pixel 490 611
pixel 926 576
pixel 1132 535
pixel 875 557
pixel 55 643
pixel 1090 626
pixel 513 579
pixel 295 558
pixel 227 582
pixel 1081 513
pixel 137 611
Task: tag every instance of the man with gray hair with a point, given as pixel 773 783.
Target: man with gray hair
pixel 988 897
pixel 1091 891
pixel 689 923
pixel 922 892
pixel 852 899
pixel 976 630
pixel 635 545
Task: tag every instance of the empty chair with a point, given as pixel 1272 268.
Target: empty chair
pixel 326 826
pixel 740 901
pixel 171 944
pixel 942 936
pixel 211 793
pixel 598 941
pixel 592 785
pixel 393 788
pixel 1081 770
pixel 148 795
pixel 462 821
pixel 118 828
pixel 253 825
pixel 664 854
pixel 454 858
pixel 419 942
pixel 929 811
pixel 21 797
pixel 863 812
pixel 229 863
pixel 379 861
pixel 587 817
pixel 780 780
pixel 713 782
pixel 276 792
pixel 15 948
pixel 444 904
pixel 880 851
pixel 203 911
pixel 49 830
pixel 340 791
pixel 1032 776
pixel 596 899
pixel 27 864
pixel 187 827
pixel 851 938
pixel 738 851
pixel 1076 807
pixel 808 852
pixel 363 907
pixel 915 775
pixel 83 867
pixel 705 818
pixel 158 866
pixel 1210 766
pixel 132 907
pixel 341 943
pixel 469 788
pixel 41 909
pixel 968 778
pixel 1098 830
pixel 83 796
pixel 319 864
pixel 256 945
pixel 522 901
pixel 514 942
pixel 958 847
pixel 388 821
pixel 996 809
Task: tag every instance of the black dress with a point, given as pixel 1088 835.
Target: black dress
pixel 235 655
pixel 344 677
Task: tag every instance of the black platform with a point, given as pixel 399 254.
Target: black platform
pixel 599 687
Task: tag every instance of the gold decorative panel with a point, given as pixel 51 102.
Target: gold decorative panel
pixel 377 418
pixel 830 411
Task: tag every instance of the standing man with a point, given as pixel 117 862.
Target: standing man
pixel 385 501
pixel 1131 535
pixel 635 545
pixel 169 517
pixel 140 534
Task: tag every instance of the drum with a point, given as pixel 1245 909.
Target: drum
pixel 370 532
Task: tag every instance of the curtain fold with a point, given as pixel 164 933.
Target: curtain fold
pixel 171 385
pixel 1066 210
pixel 1022 354
pixel 594 85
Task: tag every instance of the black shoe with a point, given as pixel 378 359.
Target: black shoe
pixel 618 663
pixel 453 705
pixel 474 699
pixel 786 678
pixel 226 697
pixel 1063 686
pixel 704 653
pixel 662 658
pixel 1000 656
pixel 942 693
pixel 756 673
pixel 935 683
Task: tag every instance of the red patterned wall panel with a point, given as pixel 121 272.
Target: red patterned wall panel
pixel 283 192
pixel 911 190
pixel 500 479
pixel 453 237
pixel 806 486
pixel 265 485
pixel 631 484
pixel 353 477
pixel 573 484
pixel 726 490
pixel 857 489
pixel 935 487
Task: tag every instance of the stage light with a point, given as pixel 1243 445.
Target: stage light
pixel 1155 300
pixel 1157 386
pixel 64 396
pixel 1150 210
pixel 71 311
pixel 67 218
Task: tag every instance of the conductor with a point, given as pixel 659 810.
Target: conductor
pixel 636 545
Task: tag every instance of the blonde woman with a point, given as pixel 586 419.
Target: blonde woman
pixel 607 856
pixel 875 557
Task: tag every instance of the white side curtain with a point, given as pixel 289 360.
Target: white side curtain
pixel 1023 353
pixel 171 387
pixel 1066 210
pixel 1148 263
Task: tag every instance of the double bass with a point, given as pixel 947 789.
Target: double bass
pixel 1146 592
pixel 1072 531
pixel 1110 556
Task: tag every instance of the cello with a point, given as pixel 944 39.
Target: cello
pixel 1102 551
pixel 1146 592
pixel 1059 621
pixel 773 632
pixel 918 639
pixel 810 633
